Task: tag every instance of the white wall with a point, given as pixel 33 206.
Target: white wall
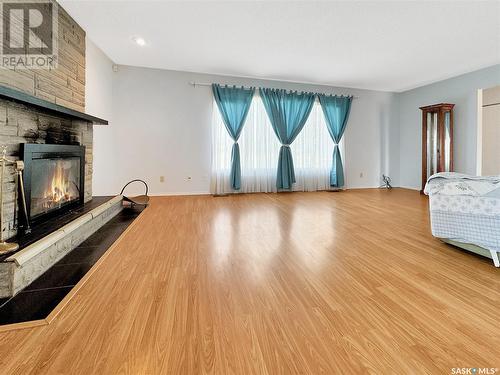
pixel 99 102
pixel 462 91
pixel 161 127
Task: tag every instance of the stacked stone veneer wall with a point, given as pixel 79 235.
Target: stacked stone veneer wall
pixel 65 86
pixel 18 124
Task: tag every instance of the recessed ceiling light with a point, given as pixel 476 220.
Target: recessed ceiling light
pixel 139 41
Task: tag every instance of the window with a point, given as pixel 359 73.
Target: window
pixel 259 150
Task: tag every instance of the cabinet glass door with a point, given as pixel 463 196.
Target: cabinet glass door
pixel 432 143
pixel 447 143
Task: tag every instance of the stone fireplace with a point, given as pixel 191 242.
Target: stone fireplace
pixel 23 129
pixel 43 122
pixel 22 123
pixel 55 144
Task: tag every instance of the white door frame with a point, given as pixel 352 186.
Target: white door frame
pixel 479 139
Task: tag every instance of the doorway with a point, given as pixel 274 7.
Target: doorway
pixel 489 132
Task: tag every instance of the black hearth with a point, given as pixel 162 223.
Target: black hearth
pixel 54 179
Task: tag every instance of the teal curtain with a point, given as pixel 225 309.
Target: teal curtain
pixel 336 110
pixel 234 103
pixel 288 112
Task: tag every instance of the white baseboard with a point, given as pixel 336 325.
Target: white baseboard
pixel 179 193
pixel 174 193
pixel 409 187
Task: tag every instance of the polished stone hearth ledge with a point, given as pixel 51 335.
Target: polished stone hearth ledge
pixel 22 268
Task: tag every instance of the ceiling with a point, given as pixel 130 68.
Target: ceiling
pixel 379 45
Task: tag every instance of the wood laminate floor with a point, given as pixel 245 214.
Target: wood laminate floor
pixel 302 283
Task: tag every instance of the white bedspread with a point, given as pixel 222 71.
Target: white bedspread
pixel 450 183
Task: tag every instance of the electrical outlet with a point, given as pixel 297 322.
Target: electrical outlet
pixel 361 175
pixel 188 178
pixel 162 178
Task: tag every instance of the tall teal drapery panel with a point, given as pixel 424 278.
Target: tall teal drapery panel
pixel 288 112
pixel 336 110
pixel 233 103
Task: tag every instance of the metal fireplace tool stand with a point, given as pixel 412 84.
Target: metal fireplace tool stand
pixel 8 247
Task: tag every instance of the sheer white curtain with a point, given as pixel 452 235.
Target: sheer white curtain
pixel 259 149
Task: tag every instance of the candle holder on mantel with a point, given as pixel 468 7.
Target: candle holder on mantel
pixel 7 247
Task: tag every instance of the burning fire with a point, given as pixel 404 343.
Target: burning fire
pixel 59 189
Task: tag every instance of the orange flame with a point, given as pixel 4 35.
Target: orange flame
pixel 58 189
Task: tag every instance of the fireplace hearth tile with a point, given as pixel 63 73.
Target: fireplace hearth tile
pixel 105 237
pixel 32 305
pixel 3 301
pixel 125 216
pixel 60 275
pixel 39 298
pixel 89 254
pixel 91 251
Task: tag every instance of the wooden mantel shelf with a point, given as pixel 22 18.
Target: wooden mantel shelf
pixel 46 106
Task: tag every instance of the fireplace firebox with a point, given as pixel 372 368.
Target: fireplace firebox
pixel 54 179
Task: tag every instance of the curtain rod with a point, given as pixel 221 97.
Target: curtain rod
pixel 194 84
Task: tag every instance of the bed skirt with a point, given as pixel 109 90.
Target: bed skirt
pixel 472 223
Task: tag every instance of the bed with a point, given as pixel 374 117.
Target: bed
pixel 465 212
